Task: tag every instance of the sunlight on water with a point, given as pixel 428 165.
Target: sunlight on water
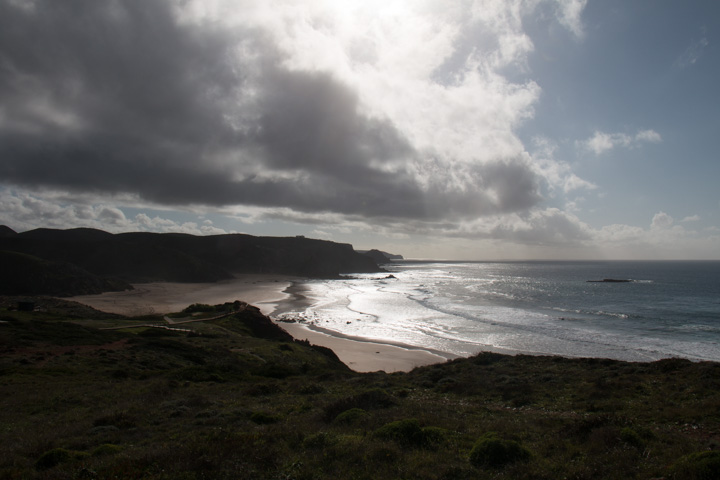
pixel 534 307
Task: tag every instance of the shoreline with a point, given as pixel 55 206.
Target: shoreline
pixel 366 355
pixel 273 295
pixel 360 354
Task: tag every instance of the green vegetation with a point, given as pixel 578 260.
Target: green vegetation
pixel 217 309
pixel 237 398
pixel 699 465
pixel 492 451
pixel 409 433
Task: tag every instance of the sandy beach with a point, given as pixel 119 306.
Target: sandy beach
pixel 263 291
pixel 271 294
pixel 366 356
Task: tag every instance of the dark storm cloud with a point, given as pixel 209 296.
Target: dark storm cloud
pixel 101 94
pixel 120 97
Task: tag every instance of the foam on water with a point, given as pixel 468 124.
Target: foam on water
pixel 525 307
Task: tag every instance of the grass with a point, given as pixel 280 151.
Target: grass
pixel 237 398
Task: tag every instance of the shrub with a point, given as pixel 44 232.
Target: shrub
pixel 698 466
pixel 56 456
pixel 262 418
pixel 106 449
pixel 373 399
pixel 351 416
pixel 492 451
pixel 487 358
pixel 434 436
pixel 121 420
pixel 199 308
pixel 407 432
pixel 631 437
pixel 275 370
pixel 199 374
pixel 320 440
pixel 311 389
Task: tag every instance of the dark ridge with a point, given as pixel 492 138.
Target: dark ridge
pixel 380 257
pixel 27 275
pixel 6 231
pixel 153 257
pixel 70 235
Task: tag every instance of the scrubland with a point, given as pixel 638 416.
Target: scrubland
pixel 236 397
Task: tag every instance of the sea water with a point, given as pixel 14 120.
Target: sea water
pixel 668 309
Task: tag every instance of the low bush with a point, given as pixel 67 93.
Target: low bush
pixel 320 440
pixel 262 418
pixel 120 420
pixel 492 451
pixel 351 416
pixel 56 456
pixel 199 308
pixel 373 399
pixel 106 449
pixel 698 466
pixel 631 437
pixel 409 433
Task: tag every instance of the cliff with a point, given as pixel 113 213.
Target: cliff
pixel 379 256
pixel 27 275
pixel 147 257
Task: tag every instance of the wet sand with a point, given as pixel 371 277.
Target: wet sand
pixel 366 355
pixel 273 295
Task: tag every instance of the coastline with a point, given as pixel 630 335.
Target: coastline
pixel 360 354
pixel 273 295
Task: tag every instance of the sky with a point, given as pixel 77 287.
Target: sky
pixel 477 130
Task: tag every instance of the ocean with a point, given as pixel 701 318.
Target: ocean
pixel 667 309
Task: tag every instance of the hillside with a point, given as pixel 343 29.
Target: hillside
pixel 380 257
pixel 147 257
pixel 6 231
pixel 234 397
pixel 27 275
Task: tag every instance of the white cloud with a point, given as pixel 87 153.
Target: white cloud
pixel 662 220
pixel 571 12
pixel 573 182
pixel 21 211
pixel 693 53
pixel 112 216
pixel 601 142
pixel 691 218
pixel 557 174
pixel 648 136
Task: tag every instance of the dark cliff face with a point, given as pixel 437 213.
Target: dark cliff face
pixel 288 255
pixel 6 231
pixel 27 275
pixel 380 257
pixel 146 257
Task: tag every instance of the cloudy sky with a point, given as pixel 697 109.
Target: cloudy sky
pixel 487 129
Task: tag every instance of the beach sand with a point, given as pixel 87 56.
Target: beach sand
pixel 272 294
pixel 364 355
pixel 263 291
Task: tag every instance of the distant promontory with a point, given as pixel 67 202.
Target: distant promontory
pixel 380 257
pixel 85 261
